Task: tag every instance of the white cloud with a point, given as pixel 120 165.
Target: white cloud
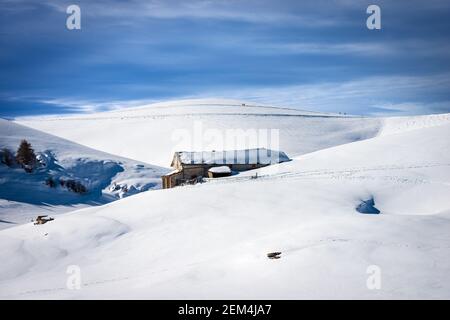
pixel 90 106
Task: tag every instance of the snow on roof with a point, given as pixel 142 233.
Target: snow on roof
pixel 171 172
pixel 247 156
pixel 221 169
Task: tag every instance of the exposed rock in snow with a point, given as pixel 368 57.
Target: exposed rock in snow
pixel 368 207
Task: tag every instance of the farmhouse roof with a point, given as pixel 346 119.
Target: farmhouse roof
pixel 246 156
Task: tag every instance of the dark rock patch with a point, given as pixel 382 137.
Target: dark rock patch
pixel 367 207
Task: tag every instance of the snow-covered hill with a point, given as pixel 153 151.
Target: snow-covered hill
pixel 106 177
pixel 210 240
pixel 152 133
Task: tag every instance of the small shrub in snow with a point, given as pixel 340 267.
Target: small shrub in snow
pixel 72 185
pixel 75 186
pixel 7 157
pixel 80 188
pixel 114 187
pixel 50 182
pixel 25 156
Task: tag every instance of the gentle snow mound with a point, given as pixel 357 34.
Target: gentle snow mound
pixel 394 125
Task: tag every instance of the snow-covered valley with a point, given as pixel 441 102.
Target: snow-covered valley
pixel 210 240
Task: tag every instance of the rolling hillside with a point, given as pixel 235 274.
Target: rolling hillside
pixel 152 133
pixel 211 240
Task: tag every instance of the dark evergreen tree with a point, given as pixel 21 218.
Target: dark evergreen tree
pixel 25 156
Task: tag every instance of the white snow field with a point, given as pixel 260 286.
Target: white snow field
pixel 210 241
pixel 25 195
pixel 153 133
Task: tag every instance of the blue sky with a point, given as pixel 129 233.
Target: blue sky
pixel 315 55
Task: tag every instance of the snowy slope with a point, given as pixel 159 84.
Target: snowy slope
pixel 211 240
pixel 394 125
pixel 152 133
pixel 25 195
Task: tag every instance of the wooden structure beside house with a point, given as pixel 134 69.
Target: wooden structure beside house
pixel 218 172
pixel 192 167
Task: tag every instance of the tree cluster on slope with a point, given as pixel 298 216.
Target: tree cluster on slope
pixel 71 185
pixel 25 157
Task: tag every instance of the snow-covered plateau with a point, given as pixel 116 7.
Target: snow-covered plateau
pixel 211 240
